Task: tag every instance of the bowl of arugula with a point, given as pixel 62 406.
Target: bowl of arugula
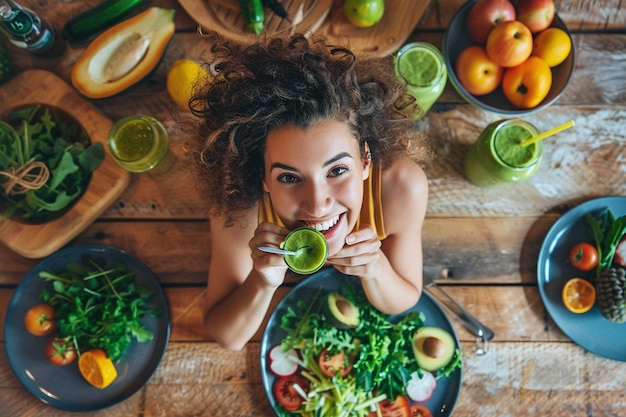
pixel 46 162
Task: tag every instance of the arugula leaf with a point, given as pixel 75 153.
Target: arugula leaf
pixel 98 307
pixel 36 134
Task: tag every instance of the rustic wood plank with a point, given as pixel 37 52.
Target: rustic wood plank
pixel 514 313
pixel 179 252
pixel 512 379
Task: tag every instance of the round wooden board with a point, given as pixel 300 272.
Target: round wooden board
pixel 324 17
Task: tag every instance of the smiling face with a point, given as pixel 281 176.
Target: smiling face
pixel 315 178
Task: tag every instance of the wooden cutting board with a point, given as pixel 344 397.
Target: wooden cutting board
pixel 325 17
pixel 107 182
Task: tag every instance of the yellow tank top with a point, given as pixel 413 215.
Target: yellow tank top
pixel 371 209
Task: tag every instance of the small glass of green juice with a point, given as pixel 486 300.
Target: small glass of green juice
pixel 497 158
pixel 422 66
pixel 138 143
pixel 310 260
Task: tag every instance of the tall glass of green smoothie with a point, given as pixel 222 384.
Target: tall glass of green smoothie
pixel 313 258
pixel 422 67
pixel 497 158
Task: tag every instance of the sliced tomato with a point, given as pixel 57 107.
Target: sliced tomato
pixel 287 394
pixel 60 351
pixel 583 256
pixel 39 320
pixel 331 364
pixel 396 408
pixel 419 410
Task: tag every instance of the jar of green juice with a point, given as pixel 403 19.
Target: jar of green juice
pixel 497 158
pixel 138 143
pixel 313 258
pixel 421 65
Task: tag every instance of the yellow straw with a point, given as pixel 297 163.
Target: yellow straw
pixel 547 133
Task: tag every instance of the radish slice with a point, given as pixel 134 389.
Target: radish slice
pixel 283 363
pixel 421 389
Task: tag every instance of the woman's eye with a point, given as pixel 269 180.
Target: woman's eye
pixel 338 170
pixel 287 178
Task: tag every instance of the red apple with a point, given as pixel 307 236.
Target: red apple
pixel 484 15
pixel 537 15
pixel 478 74
pixel 509 43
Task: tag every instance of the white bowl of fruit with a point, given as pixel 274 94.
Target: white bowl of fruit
pixel 508 58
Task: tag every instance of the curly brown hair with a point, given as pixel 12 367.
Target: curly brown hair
pixel 293 81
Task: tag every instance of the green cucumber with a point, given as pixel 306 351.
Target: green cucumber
pixel 102 16
pixel 253 15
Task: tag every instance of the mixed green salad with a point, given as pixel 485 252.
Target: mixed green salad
pixel 45 163
pixel 342 357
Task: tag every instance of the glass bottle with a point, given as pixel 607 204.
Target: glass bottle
pixel 26 30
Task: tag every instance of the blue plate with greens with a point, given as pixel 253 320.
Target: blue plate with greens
pixel 446 393
pixel 589 330
pixel 63 387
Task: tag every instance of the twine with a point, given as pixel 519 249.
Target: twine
pixel 30 176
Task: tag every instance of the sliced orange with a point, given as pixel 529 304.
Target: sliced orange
pixel 96 367
pixel 578 295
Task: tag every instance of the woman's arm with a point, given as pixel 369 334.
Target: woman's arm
pixel 238 294
pixel 391 273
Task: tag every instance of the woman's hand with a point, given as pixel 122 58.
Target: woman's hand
pixel 271 267
pixel 359 255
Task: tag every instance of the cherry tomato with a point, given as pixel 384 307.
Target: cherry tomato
pixel 584 256
pixel 396 408
pixel 331 364
pixel 39 320
pixel 418 410
pixel 286 394
pixel 60 351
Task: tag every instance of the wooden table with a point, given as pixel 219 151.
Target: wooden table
pixel 482 245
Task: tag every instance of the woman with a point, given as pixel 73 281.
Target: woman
pixel 297 133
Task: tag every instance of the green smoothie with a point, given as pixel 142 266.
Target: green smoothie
pixel 138 143
pixel 496 158
pixel 422 66
pixel 309 260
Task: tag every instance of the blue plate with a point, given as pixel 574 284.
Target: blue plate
pixel 589 330
pixel 447 392
pixel 63 387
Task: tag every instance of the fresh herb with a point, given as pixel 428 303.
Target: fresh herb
pixel 607 231
pixel 38 136
pixel 98 307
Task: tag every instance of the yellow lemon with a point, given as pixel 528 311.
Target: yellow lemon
pixel 553 45
pixel 182 78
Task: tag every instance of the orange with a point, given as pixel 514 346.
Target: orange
pixel 553 45
pixel 578 295
pixel 96 367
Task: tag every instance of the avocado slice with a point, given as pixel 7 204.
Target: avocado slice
pixel 344 312
pixel 433 348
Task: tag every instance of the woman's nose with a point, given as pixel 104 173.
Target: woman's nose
pixel 316 200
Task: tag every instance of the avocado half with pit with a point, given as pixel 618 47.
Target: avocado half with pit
pixel 124 54
pixel 433 348
pixel 343 312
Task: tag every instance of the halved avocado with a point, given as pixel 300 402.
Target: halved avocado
pixel 433 348
pixel 124 54
pixel 344 311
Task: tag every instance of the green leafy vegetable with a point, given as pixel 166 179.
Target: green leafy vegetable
pixel 383 358
pixel 35 134
pixel 98 307
pixel 607 231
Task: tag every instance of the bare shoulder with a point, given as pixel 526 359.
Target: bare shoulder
pixel 404 194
